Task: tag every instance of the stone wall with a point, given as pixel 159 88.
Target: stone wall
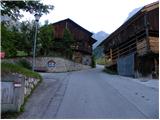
pixel 54 64
pixel 14 88
pixel 82 58
pixel 86 60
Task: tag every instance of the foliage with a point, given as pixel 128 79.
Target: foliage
pixel 12 8
pixel 24 63
pixel 10 115
pixel 16 41
pixel 98 52
pixel 27 34
pixel 7 68
pixel 8 41
pixel 110 70
pixel 68 42
pixel 93 63
pixel 46 39
pixel 65 45
pixel 21 53
pixel 107 70
pixel 101 61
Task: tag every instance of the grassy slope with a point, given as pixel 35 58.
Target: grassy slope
pixel 7 68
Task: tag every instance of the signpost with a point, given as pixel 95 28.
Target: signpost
pixel 51 63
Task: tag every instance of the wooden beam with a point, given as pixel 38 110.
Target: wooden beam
pixel 146 30
pixel 111 53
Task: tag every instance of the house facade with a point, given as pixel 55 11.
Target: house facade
pixel 133 49
pixel 82 37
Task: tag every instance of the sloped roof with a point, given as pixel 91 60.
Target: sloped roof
pixel 147 8
pixel 69 20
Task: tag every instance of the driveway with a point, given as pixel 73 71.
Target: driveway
pixel 92 94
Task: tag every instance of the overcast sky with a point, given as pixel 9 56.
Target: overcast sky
pixel 94 15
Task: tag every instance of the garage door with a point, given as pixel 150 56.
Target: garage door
pixel 125 65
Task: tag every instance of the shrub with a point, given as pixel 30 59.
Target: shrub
pixel 24 63
pixel 110 71
pixel 93 63
pixel 101 61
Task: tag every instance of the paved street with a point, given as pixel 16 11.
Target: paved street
pixel 92 94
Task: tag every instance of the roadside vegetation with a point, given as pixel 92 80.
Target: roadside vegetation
pixel 17 37
pixel 109 71
pixel 93 63
pixel 8 68
pixel 100 61
pixel 17 40
pixel 24 63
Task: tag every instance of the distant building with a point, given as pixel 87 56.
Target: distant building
pixel 84 41
pixel 133 49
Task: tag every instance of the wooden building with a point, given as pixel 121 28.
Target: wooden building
pixel 83 40
pixel 133 49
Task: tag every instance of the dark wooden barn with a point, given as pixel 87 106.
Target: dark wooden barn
pixel 133 49
pixel 83 40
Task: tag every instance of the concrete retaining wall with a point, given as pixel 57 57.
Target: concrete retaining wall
pixel 14 88
pixel 54 64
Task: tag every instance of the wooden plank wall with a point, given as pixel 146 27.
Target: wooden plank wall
pixel 154 44
pixel 82 38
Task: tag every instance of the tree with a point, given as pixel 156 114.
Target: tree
pixel 93 61
pixel 46 40
pixel 8 41
pixel 12 8
pixel 27 30
pixel 68 43
pixel 17 39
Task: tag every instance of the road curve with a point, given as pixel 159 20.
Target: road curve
pixel 91 94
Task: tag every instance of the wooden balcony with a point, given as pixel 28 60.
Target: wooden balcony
pixel 141 47
pixel 87 50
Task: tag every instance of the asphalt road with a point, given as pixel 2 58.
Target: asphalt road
pixel 91 94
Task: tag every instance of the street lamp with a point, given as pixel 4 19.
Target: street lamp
pixel 37 17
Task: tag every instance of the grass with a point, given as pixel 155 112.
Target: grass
pixel 7 68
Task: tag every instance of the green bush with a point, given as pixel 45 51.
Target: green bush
pixel 24 63
pixel 8 41
pixel 21 53
pixel 93 63
pixel 109 71
pixel 101 61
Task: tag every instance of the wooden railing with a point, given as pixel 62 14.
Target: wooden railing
pixel 133 46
